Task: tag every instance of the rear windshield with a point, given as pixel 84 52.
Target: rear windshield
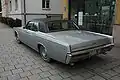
pixel 55 26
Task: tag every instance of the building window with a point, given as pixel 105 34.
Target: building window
pixel 10 5
pixel 46 4
pixel 16 4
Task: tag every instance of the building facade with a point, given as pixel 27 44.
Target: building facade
pixel 31 9
pixel 116 29
pixel 117 21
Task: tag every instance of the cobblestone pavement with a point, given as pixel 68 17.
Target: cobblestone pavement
pixel 19 62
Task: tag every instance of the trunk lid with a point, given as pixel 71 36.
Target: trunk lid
pixel 79 40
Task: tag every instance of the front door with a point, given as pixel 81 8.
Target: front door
pixel 26 33
pixel 33 35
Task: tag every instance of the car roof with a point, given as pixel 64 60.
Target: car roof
pixel 46 20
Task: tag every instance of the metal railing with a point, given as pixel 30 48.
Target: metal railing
pixel 96 24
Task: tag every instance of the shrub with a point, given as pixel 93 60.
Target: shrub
pixel 11 22
pixel 18 23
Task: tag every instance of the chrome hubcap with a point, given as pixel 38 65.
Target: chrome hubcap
pixel 44 55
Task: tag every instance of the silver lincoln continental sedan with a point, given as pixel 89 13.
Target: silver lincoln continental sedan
pixel 62 40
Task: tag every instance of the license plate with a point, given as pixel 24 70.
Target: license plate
pixel 93 52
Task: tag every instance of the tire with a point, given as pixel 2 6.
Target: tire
pixel 43 54
pixel 18 40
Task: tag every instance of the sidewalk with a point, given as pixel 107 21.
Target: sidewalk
pixel 19 62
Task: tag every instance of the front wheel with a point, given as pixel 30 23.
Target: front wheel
pixel 18 40
pixel 44 55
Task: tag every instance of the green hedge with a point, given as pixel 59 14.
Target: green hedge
pixel 11 22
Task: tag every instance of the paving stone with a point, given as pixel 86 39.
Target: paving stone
pixel 106 75
pixel 27 68
pixel 116 78
pixel 34 77
pixel 45 68
pixel 3 65
pixel 55 77
pixel 53 72
pixel 45 79
pixel 65 74
pixel 9 68
pixel 45 74
pixel 87 75
pixel 67 79
pixel 17 71
pixel 99 70
pixel 14 77
pixel 117 69
pixel 89 79
pixel 111 72
pixel 77 77
pixel 98 78
pixel 35 71
pixel 24 78
pixel 44 64
pixel 25 74
pixel 19 66
pixel 13 63
pixel 21 61
pixel 37 66
pixel 29 63
pixel 5 73
pixel 3 78
pixel 1 70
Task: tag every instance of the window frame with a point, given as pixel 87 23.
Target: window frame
pixel 10 4
pixel 36 24
pixel 44 5
pixel 28 24
pixel 44 27
pixel 16 5
pixel 70 21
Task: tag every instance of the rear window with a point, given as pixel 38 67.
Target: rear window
pixel 55 26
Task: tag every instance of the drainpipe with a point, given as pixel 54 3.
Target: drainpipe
pixel 69 9
pixel 24 13
pixel 6 6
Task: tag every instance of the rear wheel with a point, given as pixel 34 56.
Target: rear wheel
pixel 44 55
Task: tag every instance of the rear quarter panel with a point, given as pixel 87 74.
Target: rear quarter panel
pixel 56 50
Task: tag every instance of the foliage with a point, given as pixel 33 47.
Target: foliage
pixel 11 22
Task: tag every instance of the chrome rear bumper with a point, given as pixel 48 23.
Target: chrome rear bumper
pixel 83 54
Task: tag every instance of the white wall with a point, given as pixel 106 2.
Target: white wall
pixel 18 11
pixel 15 13
pixel 16 16
pixel 35 6
pixel 4 8
pixel 30 17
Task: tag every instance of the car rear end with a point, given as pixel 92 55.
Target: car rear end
pixel 87 53
pixel 97 47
